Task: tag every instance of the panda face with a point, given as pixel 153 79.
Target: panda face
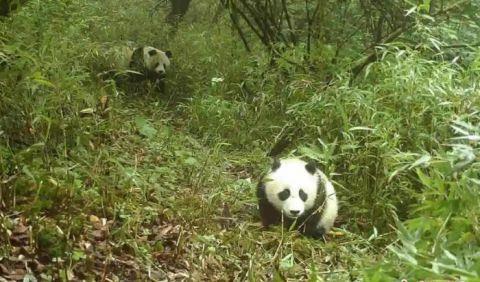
pixel 156 60
pixel 291 187
pixel 150 62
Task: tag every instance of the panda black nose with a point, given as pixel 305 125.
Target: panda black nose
pixel 294 212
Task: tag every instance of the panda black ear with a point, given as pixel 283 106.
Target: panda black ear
pixel 311 167
pixel 168 53
pixel 152 52
pixel 275 164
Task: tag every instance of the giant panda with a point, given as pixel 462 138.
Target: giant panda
pixel 297 192
pixel 137 64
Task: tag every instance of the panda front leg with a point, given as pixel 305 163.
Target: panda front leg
pixel 268 214
pixel 322 224
pixel 318 232
pixel 314 227
pixel 319 225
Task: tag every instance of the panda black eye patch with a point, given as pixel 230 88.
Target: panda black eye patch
pixel 303 195
pixel 152 52
pixel 284 195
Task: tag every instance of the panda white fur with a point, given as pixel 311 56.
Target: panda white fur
pixel 137 64
pixel 299 192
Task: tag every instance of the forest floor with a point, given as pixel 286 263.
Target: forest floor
pixel 177 210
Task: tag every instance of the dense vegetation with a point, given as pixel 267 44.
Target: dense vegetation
pixel 119 183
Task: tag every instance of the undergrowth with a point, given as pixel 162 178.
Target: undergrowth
pixel 103 182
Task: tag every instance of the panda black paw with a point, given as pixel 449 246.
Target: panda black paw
pixel 318 233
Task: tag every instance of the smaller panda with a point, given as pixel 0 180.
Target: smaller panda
pixel 296 192
pixel 138 64
pixel 151 62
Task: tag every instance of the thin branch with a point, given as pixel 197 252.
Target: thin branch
pixel 262 36
pixel 278 55
pixel 236 25
pixel 287 17
pixel 309 29
pixel 373 56
pixel 250 24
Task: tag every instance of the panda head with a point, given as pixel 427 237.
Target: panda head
pixel 291 187
pixel 150 61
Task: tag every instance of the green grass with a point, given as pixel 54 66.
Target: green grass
pixel 150 185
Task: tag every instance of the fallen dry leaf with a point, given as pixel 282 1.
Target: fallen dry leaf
pixel 16 275
pixel 98 234
pixel 103 102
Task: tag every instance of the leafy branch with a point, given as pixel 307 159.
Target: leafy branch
pixel 372 55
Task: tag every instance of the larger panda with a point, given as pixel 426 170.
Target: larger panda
pixel 296 192
pixel 138 64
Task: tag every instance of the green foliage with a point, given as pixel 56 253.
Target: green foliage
pixel 440 241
